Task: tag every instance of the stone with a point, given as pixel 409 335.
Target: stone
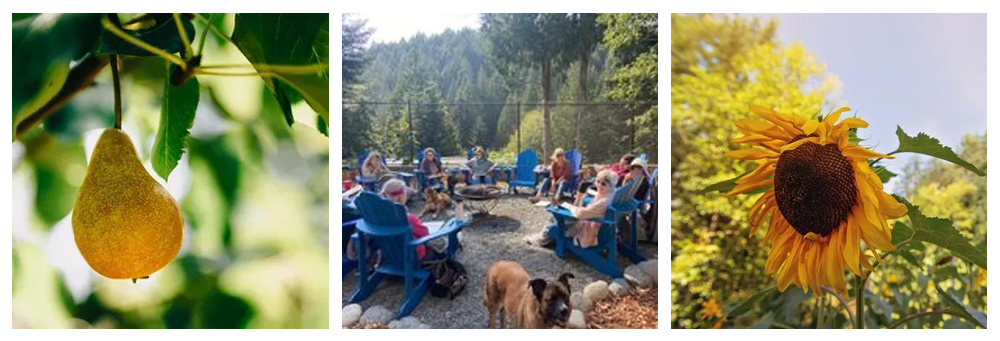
pixel 576 320
pixel 635 275
pixel 581 302
pixel 350 314
pixel 651 269
pixel 377 314
pixel 596 291
pixel 619 287
pixel 408 322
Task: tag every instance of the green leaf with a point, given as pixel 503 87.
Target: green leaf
pixel 176 117
pixel 43 48
pixel 884 173
pixel 322 126
pixel 940 232
pixel 962 310
pixel 163 34
pixel 923 144
pixel 59 168
pixel 745 306
pixel 946 272
pixel 288 39
pixel 723 186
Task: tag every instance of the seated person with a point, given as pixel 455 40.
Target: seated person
pixel 588 175
pixel 481 167
pixel 374 168
pixel 559 173
pixel 396 191
pixel 583 231
pixel 637 170
pixel 621 168
pixel 431 167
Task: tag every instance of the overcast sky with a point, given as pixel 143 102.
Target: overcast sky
pixel 391 27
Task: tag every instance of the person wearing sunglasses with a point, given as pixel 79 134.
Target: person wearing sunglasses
pixel 584 231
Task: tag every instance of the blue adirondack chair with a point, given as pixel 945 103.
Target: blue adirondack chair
pixel 575 159
pixel 369 184
pixel 347 228
pixel 524 171
pixel 647 206
pixel 603 257
pixel 385 223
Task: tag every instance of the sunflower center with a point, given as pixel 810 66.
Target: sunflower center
pixel 814 187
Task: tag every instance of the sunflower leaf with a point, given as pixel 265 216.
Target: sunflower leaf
pixel 924 144
pixel 743 307
pixel 959 309
pixel 723 186
pixel 883 173
pixel 940 232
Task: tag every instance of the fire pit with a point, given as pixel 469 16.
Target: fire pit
pixel 479 199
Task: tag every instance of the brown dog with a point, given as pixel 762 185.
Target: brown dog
pixel 435 202
pixel 531 304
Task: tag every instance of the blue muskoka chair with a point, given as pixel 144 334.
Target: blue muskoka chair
pixel 524 171
pixel 647 206
pixel 347 228
pixel 385 223
pixel 603 257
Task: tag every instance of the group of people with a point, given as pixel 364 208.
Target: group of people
pixel 560 173
pixel 585 232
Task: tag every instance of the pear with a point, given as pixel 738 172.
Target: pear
pixel 125 223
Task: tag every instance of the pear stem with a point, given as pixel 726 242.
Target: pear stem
pixel 118 91
pixel 115 66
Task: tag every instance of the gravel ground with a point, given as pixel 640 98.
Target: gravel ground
pixel 484 241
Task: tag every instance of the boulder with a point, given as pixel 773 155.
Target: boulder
pixel 635 275
pixel 377 314
pixel 408 322
pixel 596 291
pixel 651 269
pixel 576 320
pixel 581 302
pixel 619 287
pixel 350 314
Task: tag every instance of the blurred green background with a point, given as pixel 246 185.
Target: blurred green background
pixel 254 193
pixel 719 64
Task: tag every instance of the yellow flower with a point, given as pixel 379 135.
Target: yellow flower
pixel 980 278
pixel 825 199
pixel 710 309
pixel 892 279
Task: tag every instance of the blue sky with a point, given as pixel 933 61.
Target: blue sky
pixel 924 72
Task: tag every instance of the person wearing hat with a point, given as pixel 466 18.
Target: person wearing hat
pixel 637 170
pixel 621 168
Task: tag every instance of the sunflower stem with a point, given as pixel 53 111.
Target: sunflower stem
pixel 843 302
pixel 859 321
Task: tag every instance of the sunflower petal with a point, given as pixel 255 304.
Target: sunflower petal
pixel 835 116
pixel 743 188
pixel 750 154
pixel 810 126
pixel 892 208
pixel 852 243
pixel 750 138
pixel 859 152
pixel 851 123
pixel 800 142
pixel 762 171
pixel 752 125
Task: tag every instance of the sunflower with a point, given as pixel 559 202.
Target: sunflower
pixel 710 309
pixel 822 199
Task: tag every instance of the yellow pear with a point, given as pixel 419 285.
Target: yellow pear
pixel 125 224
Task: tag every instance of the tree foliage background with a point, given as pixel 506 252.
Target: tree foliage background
pixel 719 65
pixel 253 192
pixel 485 66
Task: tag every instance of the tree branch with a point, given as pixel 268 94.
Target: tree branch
pixel 80 78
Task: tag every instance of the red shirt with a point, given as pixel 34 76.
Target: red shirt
pixel 560 170
pixel 419 231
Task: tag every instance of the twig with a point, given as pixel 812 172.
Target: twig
pixel 183 34
pixel 900 322
pixel 80 77
pixel 141 44
pixel 204 34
